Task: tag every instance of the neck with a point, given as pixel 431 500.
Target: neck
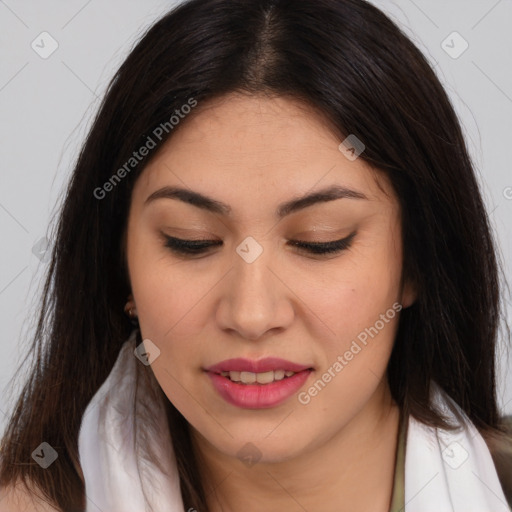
pixel 353 471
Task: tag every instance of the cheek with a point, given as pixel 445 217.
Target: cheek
pixel 171 304
pixel 355 291
pixel 168 293
pixel 361 307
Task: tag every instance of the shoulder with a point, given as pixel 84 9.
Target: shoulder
pixel 17 498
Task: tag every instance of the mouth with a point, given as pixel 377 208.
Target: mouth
pixel 259 384
pixel 258 378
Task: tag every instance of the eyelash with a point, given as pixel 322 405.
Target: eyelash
pixel 194 247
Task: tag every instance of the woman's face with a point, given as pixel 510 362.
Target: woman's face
pixel 330 318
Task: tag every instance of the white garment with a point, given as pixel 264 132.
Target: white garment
pixel 132 469
pixel 450 471
pixel 119 458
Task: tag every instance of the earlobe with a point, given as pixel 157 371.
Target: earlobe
pixel 130 308
pixel 409 294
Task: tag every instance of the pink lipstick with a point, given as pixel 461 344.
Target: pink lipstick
pixel 257 384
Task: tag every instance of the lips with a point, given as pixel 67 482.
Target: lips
pixel 261 366
pixel 257 384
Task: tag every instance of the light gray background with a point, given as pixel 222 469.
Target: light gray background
pixel 46 107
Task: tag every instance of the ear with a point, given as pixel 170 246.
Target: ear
pixel 409 294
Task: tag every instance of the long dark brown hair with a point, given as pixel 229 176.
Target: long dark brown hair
pixel 357 68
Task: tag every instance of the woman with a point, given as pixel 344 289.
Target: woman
pixel 274 283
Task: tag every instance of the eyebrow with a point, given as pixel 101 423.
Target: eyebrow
pixel 211 205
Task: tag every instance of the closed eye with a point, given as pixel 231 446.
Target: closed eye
pixel 195 247
pixel 325 247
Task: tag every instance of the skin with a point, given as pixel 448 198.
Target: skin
pixel 337 453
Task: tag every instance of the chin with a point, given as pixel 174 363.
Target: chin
pixel 255 449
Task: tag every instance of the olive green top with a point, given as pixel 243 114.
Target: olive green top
pixel 398 496
pixel 502 456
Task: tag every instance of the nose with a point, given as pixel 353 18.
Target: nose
pixel 255 300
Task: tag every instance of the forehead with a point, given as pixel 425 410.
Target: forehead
pixel 257 150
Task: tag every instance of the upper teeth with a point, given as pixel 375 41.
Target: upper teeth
pixel 260 378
